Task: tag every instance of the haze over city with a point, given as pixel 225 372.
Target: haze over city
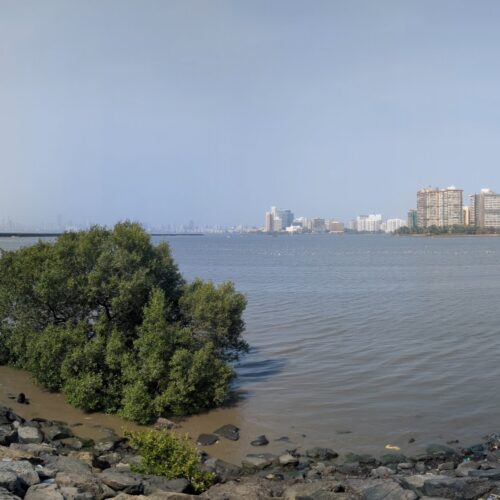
pixel 166 112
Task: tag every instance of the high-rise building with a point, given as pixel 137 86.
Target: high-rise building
pixel 277 220
pixel 412 218
pixel 268 223
pixel 334 226
pixel 439 207
pixel 369 223
pixel 287 218
pixel 318 225
pixel 466 216
pixel 392 225
pixel 485 209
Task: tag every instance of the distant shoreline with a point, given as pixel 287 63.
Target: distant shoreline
pixel 54 235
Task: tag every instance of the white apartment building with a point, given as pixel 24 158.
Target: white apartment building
pixel 392 225
pixel 369 223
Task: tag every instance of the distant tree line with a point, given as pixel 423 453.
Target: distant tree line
pixel 105 317
pixel 455 229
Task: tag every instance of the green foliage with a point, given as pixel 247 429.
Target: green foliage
pixel 168 454
pixel 85 391
pixel 215 315
pixel 198 380
pixel 447 230
pixel 105 317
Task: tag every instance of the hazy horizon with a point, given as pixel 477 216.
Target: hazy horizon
pixel 171 111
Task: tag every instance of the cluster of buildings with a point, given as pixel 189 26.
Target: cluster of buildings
pixel 374 223
pixel 276 221
pixel 444 207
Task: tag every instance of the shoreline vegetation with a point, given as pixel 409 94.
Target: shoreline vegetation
pixel 456 230
pixel 105 317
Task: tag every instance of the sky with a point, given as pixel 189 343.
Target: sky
pixel 212 111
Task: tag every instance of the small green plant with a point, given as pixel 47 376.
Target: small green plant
pixel 169 454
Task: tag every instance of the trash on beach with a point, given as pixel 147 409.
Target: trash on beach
pixel 392 447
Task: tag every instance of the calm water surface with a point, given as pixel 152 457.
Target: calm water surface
pixel 358 341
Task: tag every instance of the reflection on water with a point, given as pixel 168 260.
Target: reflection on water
pixel 385 338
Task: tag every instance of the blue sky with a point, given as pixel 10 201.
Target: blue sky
pixel 166 111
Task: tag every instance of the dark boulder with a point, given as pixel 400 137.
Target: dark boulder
pixel 260 441
pixel 228 431
pixel 206 439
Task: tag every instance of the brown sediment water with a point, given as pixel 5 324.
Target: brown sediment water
pixel 52 406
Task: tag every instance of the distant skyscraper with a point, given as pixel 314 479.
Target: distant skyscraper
pixel 485 209
pixel 287 218
pixel 439 207
pixel 394 224
pixel 268 223
pixel 277 220
pixel 318 225
pixel 369 223
pixel 412 218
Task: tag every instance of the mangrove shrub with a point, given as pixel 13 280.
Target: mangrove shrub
pixel 105 317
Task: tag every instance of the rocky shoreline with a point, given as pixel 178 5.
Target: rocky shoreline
pixel 43 460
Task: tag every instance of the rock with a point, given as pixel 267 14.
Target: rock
pixel 406 466
pixel 321 453
pixel 106 445
pixel 450 487
pixel 21 398
pixel 446 466
pixel 225 470
pixel 206 439
pixel 381 472
pixel 53 432
pixel 7 435
pixel 491 474
pixel 228 431
pixel 349 468
pixel 165 423
pixel 29 435
pixel 165 495
pixel 44 492
pixel 237 491
pixel 29 451
pixel 256 462
pixel 87 457
pixel 260 441
pixel 392 458
pixel 72 443
pixel 420 467
pixel 156 484
pixel 108 460
pixel 364 459
pixel 120 481
pixel 65 464
pixel 70 493
pixel 379 489
pixel 284 439
pixel 464 468
pixel 440 451
pixel 24 471
pixel 9 481
pixel 417 481
pixel 388 491
pixel 288 459
pixel 324 490
pixel 83 481
pixel 7 495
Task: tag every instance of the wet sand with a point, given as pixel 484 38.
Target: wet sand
pixel 53 406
